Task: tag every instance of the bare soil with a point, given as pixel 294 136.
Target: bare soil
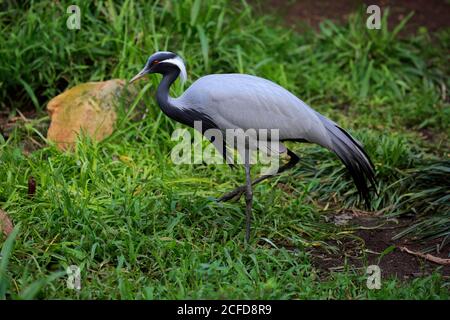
pixel 10 121
pixel 370 237
pixel 432 14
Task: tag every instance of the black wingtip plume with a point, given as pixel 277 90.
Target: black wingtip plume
pixel 355 159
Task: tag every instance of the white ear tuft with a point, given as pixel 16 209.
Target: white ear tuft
pixel 177 61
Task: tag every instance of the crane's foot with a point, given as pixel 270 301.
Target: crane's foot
pixel 233 195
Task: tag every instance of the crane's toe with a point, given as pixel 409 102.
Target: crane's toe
pixel 233 195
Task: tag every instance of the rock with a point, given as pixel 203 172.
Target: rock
pixel 88 107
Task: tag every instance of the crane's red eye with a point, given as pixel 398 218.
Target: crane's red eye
pixel 155 62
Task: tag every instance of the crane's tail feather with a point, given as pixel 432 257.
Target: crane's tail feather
pixel 352 154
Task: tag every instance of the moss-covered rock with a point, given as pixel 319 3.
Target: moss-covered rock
pixel 89 108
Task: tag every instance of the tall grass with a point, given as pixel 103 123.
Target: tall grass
pixel 402 78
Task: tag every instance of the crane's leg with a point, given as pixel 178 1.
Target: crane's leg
pixel 237 193
pixel 248 197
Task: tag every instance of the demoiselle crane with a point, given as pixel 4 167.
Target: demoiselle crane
pixel 241 101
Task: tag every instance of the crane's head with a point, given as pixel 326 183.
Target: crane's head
pixel 163 62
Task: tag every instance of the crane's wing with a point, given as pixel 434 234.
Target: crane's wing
pixel 247 102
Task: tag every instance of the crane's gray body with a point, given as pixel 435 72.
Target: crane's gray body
pixel 241 101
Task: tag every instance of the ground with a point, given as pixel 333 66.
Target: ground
pixel 432 15
pixel 374 236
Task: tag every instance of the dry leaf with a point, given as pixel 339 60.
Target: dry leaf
pixel 31 186
pixel 6 225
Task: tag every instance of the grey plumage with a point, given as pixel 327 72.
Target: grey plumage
pixel 249 102
pixel 245 101
pixel 240 101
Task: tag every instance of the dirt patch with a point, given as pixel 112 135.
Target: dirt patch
pixel 397 262
pixel 4 115
pixel 432 14
pixel 10 121
pixel 370 242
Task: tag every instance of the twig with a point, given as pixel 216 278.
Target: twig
pixel 25 119
pixel 35 142
pixel 443 92
pixel 429 257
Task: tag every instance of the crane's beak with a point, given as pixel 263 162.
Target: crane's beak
pixel 142 73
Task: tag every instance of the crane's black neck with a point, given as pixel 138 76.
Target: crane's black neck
pixel 162 94
pixel 186 116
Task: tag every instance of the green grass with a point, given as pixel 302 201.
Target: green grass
pixel 141 227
